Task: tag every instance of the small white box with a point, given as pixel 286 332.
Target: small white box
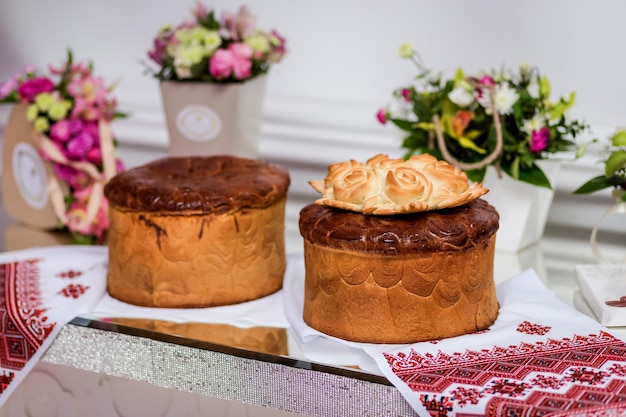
pixel 601 284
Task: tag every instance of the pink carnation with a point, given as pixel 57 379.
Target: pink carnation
pixel 238 26
pixel 78 212
pixel 539 139
pixel 487 80
pixel 84 109
pixel 74 126
pixel 119 165
pixel 90 88
pixel 242 64
pixel 7 87
pixel 406 94
pixel 60 131
pixel 221 64
pixel 279 49
pixel 29 89
pixel 75 178
pixel 94 155
pixel 159 47
pixel 79 146
pixel 236 61
pixel 381 115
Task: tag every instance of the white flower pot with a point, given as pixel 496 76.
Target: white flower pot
pixel 523 208
pixel 210 119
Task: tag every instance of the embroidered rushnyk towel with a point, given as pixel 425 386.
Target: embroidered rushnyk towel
pixel 41 290
pixel 541 357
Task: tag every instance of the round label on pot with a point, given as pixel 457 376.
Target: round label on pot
pixel 198 123
pixel 30 175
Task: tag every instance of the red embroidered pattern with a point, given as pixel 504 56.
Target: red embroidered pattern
pixel 543 381
pixel 532 328
pixel 562 375
pixel 74 290
pixel 436 407
pixel 23 321
pixel 69 274
pixel 5 380
pixel 464 395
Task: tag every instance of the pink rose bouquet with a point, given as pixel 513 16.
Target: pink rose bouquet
pixel 503 119
pixel 230 49
pixel 71 110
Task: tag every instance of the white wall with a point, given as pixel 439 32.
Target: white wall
pixel 342 66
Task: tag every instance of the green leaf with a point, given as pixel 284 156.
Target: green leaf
pixel 595 184
pixel 533 175
pixel 402 124
pixel 459 75
pixel 544 87
pixel 508 139
pixel 416 140
pixel 11 98
pixel 619 138
pixel 449 108
pixel 515 168
pixel 476 175
pixel 434 152
pixel 615 162
pixel 210 22
pixel 83 239
pixel 422 109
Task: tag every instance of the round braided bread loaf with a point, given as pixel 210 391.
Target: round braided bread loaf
pixel 196 231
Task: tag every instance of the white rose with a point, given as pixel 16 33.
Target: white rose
pixel 536 123
pixel 461 97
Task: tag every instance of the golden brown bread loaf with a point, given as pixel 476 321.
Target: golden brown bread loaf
pixel 196 231
pixel 400 278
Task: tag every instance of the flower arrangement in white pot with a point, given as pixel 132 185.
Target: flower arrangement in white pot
pixel 494 124
pixel 212 78
pixel 63 118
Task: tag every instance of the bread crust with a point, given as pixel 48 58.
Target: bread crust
pixel 186 261
pixel 197 231
pixel 420 283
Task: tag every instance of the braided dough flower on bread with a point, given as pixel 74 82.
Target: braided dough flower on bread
pixel 386 186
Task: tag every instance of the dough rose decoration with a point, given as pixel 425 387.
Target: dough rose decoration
pixel 384 186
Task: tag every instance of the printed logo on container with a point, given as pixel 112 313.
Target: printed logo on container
pixel 198 123
pixel 30 175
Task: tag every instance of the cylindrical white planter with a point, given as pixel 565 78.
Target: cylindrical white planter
pixel 211 119
pixel 523 207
